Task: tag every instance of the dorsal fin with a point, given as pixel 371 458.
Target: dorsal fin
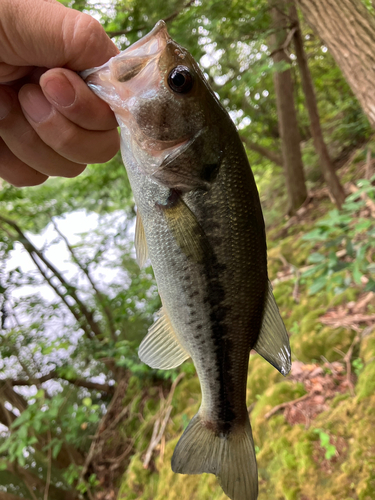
pixel 140 243
pixel 161 348
pixel 273 342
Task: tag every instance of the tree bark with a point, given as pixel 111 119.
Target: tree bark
pixel 336 190
pixel 348 30
pixel 286 111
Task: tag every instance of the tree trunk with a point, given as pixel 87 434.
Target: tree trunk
pixel 348 30
pixel 336 190
pixel 288 126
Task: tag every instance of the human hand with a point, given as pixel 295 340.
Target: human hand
pixel 51 123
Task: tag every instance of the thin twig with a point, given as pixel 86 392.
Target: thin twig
pixel 331 367
pixel 347 359
pixel 30 490
pixel 161 422
pixel 286 43
pixel 100 297
pixel 37 256
pixel 285 405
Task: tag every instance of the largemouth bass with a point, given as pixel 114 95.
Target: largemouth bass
pixel 200 222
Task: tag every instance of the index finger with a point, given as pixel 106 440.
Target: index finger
pixel 73 99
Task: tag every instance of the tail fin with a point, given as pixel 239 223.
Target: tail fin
pixel 231 458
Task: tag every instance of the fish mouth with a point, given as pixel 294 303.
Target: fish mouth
pixel 106 80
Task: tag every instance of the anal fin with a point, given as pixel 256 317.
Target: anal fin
pixel 273 342
pixel 161 348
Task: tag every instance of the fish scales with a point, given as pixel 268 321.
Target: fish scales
pixel 200 221
pixel 216 291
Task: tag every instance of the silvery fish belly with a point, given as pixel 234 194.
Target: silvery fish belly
pixel 200 222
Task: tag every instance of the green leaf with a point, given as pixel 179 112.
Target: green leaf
pixel 40 394
pixel 56 448
pixel 318 285
pixel 87 402
pixel 316 258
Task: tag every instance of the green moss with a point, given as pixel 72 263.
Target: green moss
pixel 366 381
pixel 367 350
pixel 261 376
pixel 311 345
pixel 136 480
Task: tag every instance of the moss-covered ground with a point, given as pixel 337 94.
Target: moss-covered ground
pixel 322 447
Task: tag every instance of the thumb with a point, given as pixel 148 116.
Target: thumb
pixel 47 34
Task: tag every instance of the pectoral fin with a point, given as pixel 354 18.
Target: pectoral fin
pixel 140 243
pixel 273 342
pixel 161 348
pixel 187 231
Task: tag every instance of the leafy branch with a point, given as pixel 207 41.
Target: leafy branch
pixel 167 19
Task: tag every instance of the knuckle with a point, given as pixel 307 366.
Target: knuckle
pixel 87 37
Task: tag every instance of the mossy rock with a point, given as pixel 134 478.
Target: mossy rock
pixel 283 294
pixel 366 381
pixel 273 396
pixel 292 463
pixel 311 345
pixel 187 396
pixel 367 350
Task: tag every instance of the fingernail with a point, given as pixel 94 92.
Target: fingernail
pixel 60 91
pixel 36 105
pixel 5 105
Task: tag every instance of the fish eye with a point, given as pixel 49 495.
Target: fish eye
pixel 180 80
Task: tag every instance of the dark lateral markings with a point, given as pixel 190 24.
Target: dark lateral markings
pixel 219 336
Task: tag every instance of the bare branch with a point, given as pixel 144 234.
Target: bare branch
pixel 7 392
pixel 99 296
pixel 6 416
pixel 79 382
pixel 281 406
pixel 36 254
pixel 161 422
pixel 271 155
pixel 286 43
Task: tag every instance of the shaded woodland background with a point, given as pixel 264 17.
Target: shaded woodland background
pixel 81 417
